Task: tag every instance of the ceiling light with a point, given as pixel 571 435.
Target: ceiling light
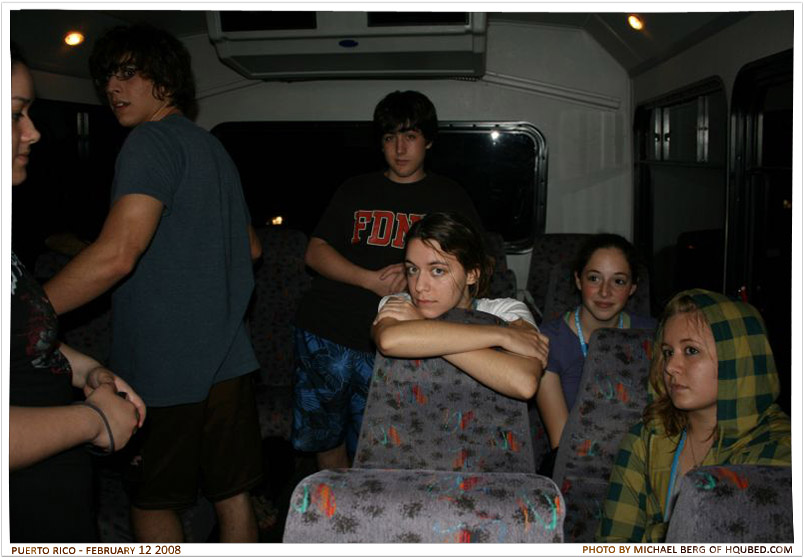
pixel 635 22
pixel 74 38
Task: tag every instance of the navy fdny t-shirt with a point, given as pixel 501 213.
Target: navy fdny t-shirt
pixel 366 222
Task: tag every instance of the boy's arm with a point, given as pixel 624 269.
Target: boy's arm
pixel 126 233
pixel 326 260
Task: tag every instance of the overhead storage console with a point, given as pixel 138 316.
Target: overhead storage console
pixel 317 45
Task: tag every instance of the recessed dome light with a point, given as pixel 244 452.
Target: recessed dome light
pixel 635 22
pixel 74 38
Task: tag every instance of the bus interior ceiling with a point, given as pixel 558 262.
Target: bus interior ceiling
pixel 678 137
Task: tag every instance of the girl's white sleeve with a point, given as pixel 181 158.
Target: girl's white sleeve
pixel 509 309
pixel 384 299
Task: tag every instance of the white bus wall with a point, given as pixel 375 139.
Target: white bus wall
pixel 723 54
pixel 694 198
pixel 553 77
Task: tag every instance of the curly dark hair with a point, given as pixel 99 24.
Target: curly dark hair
pixel 401 111
pixel 457 236
pixel 158 55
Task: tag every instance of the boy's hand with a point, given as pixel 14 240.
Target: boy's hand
pixel 388 280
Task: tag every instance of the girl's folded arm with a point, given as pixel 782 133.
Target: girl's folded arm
pixel 469 347
pixel 431 338
pixel 508 373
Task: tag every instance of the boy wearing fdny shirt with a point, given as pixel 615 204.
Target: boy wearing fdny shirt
pixel 357 251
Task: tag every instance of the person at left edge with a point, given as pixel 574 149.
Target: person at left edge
pixel 50 480
pixel 178 245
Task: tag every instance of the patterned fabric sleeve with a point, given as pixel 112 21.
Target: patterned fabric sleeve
pixel 625 507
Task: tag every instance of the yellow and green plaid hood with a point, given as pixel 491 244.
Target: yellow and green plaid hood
pixel 752 429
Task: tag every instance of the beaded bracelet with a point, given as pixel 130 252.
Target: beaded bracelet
pixel 91 447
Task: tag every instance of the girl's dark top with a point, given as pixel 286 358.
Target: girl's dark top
pixel 50 501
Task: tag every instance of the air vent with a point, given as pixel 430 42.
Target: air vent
pixel 322 45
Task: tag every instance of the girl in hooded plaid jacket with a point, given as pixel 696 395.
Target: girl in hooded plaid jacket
pixel 713 387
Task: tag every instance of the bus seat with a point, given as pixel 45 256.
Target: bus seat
pixel 562 293
pixel 538 434
pixel 280 282
pixel 611 396
pixel 503 280
pixel 427 414
pixel 548 250
pixel 495 244
pixel 503 284
pixel 424 506
pixel 734 504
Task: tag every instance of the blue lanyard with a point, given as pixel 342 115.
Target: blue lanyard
pixel 673 474
pixel 584 346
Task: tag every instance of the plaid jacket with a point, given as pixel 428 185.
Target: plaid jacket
pixel 751 427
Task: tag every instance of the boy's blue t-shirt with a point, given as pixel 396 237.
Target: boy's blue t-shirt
pixel 178 318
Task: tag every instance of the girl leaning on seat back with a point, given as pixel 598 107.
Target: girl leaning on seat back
pixel 447 267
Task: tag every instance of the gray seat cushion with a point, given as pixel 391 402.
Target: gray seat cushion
pixel 548 250
pixel 734 504
pixel 612 394
pixel 280 282
pixel 428 414
pixel 423 506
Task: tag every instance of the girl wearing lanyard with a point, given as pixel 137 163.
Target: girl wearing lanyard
pixel 605 273
pixel 714 385
pixel 447 267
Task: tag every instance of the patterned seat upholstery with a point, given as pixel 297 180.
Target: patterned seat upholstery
pixel 611 396
pixel 502 284
pixel 424 506
pixel 281 281
pixel 538 434
pixel 548 250
pixel 562 293
pixel 428 414
pixel 495 244
pixel 734 504
pixel 503 280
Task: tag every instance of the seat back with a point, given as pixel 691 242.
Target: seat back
pixel 562 293
pixel 611 396
pixel 733 504
pixel 538 434
pixel 280 282
pixel 503 280
pixel 548 250
pixel 428 414
pixel 423 506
